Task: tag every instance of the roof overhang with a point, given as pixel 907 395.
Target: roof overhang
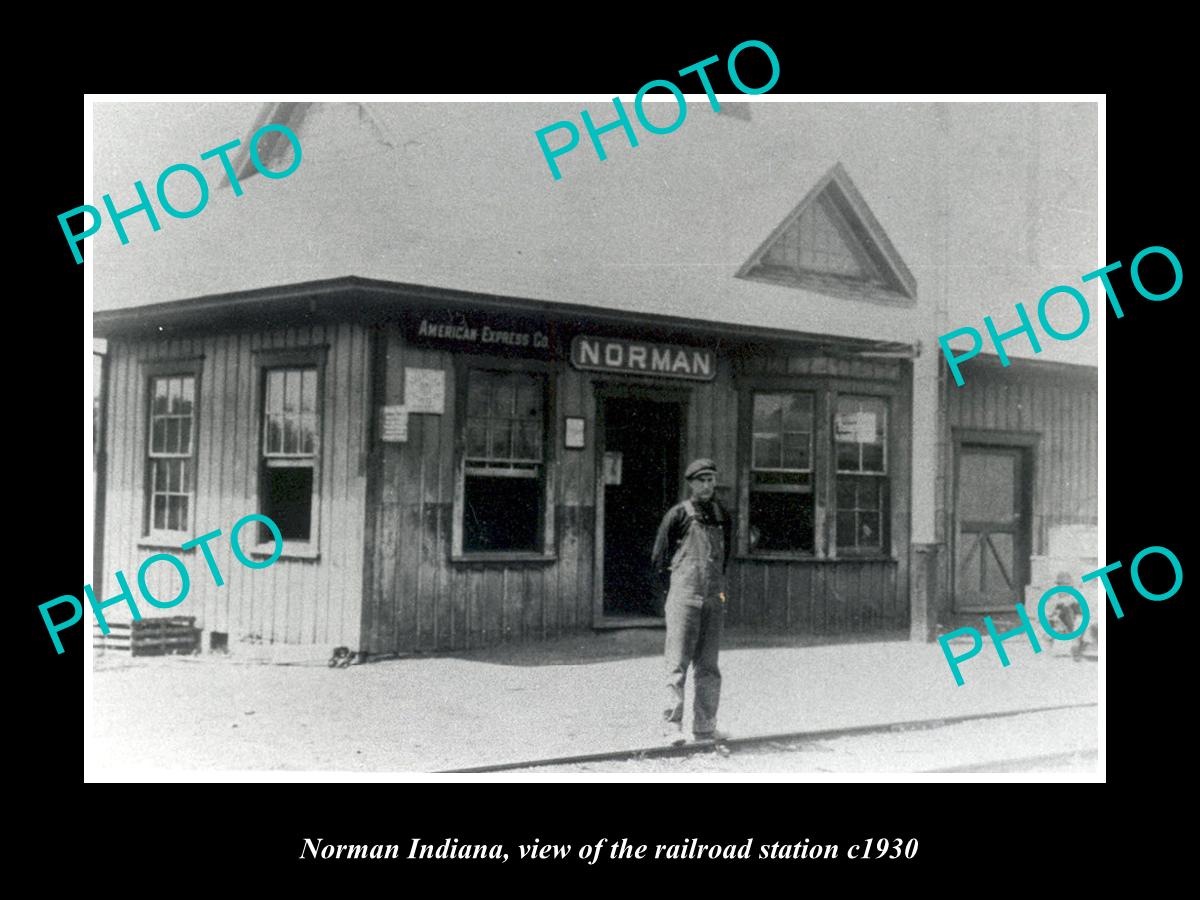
pixel 352 298
pixel 1018 365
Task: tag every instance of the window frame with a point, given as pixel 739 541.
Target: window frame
pixel 852 213
pixel 462 368
pixel 884 478
pixel 825 389
pixel 265 360
pixel 825 203
pixel 811 471
pixel 151 371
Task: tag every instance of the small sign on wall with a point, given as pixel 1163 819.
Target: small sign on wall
pixel 425 390
pixel 574 433
pixel 612 468
pixel 476 332
pixel 393 424
pixel 856 428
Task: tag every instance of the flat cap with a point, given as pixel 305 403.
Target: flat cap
pixel 699 467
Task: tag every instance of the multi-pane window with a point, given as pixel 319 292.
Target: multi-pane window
pixel 832 245
pixel 505 459
pixel 171 453
pixel 860 439
pixel 781 471
pixel 816 468
pixel 290 445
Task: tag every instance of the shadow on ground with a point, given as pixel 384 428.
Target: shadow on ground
pixel 627 643
pixel 573 650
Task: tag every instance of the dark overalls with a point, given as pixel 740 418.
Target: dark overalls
pixel 695 613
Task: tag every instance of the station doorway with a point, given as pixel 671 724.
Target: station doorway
pixel 639 478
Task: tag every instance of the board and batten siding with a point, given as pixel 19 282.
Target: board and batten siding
pixel 296 600
pixel 418 599
pixel 834 596
pixel 1059 407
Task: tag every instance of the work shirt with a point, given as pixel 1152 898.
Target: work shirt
pixel 694 540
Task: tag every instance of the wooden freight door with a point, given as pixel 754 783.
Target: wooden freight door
pixel 991 533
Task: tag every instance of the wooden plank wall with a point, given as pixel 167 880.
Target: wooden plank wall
pixel 826 596
pixel 1064 411
pixel 295 601
pixel 418 599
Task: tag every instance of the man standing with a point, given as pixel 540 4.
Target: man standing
pixel 694 542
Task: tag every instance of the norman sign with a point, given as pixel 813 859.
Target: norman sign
pixel 667 360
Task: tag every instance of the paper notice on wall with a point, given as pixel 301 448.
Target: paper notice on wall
pixel 574 435
pixel 612 468
pixel 393 424
pixel 856 428
pixel 425 390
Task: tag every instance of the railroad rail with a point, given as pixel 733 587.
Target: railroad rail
pixel 792 737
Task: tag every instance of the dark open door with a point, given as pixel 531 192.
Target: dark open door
pixel 991 533
pixel 641 462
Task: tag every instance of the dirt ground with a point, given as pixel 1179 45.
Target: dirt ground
pixel 514 703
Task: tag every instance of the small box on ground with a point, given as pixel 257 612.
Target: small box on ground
pixel 149 637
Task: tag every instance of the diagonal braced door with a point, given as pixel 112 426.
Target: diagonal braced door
pixel 991 528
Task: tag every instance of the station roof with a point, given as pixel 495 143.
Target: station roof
pixel 457 197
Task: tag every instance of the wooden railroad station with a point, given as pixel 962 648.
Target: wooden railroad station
pixel 467 398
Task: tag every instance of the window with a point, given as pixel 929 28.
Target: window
pixel 817 242
pixel 832 244
pixel 815 478
pixel 781 472
pixel 504 462
pixel 860 437
pixel 290 448
pixel 171 464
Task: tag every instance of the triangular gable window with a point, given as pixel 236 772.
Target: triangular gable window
pixel 831 243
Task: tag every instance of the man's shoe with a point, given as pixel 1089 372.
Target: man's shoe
pixel 709 737
pixel 672 733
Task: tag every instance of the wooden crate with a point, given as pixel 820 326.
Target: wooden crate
pixel 149 637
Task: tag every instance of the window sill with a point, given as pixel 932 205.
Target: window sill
pixel 783 556
pixel 291 550
pixel 846 288
pixel 166 542
pixel 787 555
pixel 504 557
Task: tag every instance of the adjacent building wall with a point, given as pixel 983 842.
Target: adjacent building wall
pixel 1057 404
pixel 295 601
